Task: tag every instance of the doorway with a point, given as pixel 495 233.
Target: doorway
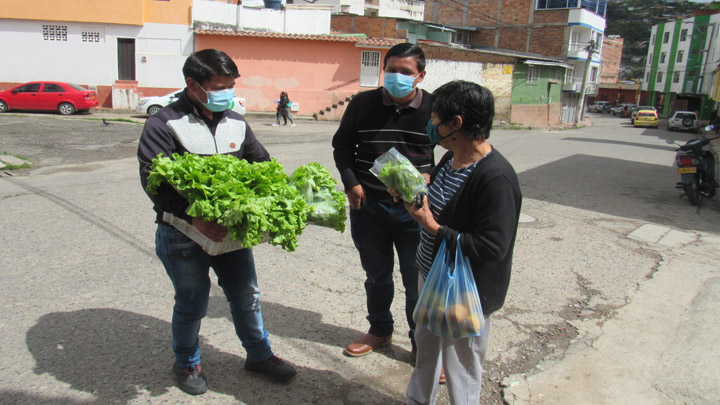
pixel 126 58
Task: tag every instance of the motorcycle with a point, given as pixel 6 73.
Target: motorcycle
pixel 696 166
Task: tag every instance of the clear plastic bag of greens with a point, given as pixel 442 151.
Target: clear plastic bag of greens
pixel 398 173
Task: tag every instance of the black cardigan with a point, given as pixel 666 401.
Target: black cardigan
pixel 486 210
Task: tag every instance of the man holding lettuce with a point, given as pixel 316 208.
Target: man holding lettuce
pixel 375 121
pixel 201 123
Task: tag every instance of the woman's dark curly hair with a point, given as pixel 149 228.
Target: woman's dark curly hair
pixel 473 102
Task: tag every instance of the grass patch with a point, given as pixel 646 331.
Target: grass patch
pixel 9 166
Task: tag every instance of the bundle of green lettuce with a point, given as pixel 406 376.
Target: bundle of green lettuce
pixel 317 187
pixel 252 200
pixel 398 173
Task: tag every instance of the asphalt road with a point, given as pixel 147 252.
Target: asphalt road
pixel 613 297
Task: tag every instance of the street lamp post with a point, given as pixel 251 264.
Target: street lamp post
pixel 581 103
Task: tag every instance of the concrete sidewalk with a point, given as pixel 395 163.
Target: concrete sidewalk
pixel 673 360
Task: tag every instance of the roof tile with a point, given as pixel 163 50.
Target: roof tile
pixel 379 42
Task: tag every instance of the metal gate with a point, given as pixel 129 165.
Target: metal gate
pixel 126 58
pixel 569 107
pixel 370 68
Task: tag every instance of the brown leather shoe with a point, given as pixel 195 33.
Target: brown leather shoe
pixel 365 344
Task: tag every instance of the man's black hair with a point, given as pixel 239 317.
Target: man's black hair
pixel 404 50
pixel 203 65
pixel 473 102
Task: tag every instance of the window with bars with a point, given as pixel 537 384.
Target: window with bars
pixel 90 36
pixel 676 77
pixel 532 74
pixel 570 75
pixel 54 32
pixel 369 68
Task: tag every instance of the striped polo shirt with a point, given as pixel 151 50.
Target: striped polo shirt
pixel 443 188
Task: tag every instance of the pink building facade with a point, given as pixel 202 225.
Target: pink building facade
pixel 319 72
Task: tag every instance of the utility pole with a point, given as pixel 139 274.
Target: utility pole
pixel 581 102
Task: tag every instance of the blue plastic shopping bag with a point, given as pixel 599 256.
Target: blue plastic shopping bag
pixel 449 303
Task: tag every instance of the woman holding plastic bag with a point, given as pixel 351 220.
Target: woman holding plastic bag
pixel 469 222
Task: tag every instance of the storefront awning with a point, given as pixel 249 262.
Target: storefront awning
pixel 548 63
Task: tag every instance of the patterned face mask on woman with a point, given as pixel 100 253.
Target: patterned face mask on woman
pixel 218 100
pixel 399 85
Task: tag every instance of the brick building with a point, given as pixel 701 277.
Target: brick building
pixel 373 27
pixel 552 29
pixel 611 55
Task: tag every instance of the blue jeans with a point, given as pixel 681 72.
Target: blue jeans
pixel 188 267
pixel 376 227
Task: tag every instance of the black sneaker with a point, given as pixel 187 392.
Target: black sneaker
pixel 273 367
pixel 191 379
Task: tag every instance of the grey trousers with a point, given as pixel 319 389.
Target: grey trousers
pixel 463 362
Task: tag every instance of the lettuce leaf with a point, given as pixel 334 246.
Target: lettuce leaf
pixel 252 200
pixel 317 187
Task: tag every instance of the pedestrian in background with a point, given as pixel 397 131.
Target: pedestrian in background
pixel 190 125
pixel 375 121
pixel 283 110
pixel 474 192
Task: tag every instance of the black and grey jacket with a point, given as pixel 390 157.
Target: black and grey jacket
pixel 180 127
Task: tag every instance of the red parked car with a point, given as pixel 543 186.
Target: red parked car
pixel 66 98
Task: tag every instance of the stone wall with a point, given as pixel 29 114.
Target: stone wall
pixel 493 71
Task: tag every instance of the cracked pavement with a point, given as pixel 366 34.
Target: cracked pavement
pixel 612 298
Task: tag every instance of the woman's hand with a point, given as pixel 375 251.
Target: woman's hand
pixel 423 215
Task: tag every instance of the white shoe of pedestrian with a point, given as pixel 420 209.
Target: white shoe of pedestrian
pixel 292 125
pixel 275 125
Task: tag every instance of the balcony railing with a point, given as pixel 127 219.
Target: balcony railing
pixel 576 87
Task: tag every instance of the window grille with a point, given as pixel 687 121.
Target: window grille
pixel 532 75
pixel 90 36
pixel 54 32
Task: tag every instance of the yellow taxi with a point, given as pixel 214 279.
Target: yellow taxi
pixel 646 118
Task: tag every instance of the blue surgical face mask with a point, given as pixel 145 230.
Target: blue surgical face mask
pixel 398 84
pixel 432 133
pixel 218 100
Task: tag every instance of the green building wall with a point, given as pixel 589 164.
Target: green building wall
pixel 692 65
pixel 547 90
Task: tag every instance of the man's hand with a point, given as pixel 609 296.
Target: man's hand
pixel 395 195
pixel 212 230
pixel 356 197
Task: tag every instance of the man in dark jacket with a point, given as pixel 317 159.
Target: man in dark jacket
pixel 200 123
pixel 375 121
